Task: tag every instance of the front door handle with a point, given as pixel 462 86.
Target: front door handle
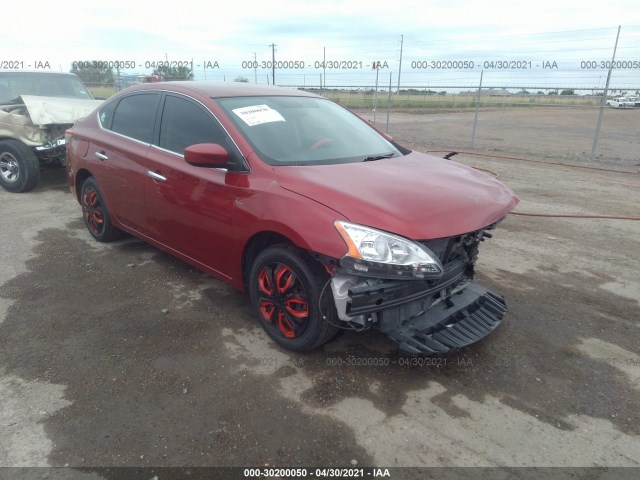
pixel 156 176
pixel 101 156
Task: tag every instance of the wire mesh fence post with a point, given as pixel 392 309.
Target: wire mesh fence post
pixel 475 117
pixel 375 95
pixel 603 101
pixel 389 104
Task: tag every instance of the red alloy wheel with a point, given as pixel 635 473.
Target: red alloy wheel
pixel 92 210
pixel 283 300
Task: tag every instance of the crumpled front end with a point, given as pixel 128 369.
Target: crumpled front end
pixel 54 144
pixel 40 122
pixel 16 123
pixel 47 141
pixel 425 316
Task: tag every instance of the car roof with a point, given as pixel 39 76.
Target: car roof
pixel 223 89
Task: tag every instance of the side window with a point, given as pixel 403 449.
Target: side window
pixel 185 123
pixel 135 116
pixel 106 115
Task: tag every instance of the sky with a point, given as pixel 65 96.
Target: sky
pixel 546 44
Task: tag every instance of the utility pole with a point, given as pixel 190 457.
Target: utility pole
pixel 273 63
pixel 400 66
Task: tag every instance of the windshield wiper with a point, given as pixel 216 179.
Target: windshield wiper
pixel 379 157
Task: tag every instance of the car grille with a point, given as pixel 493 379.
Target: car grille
pixel 463 247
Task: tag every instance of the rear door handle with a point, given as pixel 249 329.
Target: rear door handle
pixel 101 156
pixel 156 176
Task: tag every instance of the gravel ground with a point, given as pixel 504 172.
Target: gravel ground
pixel 120 355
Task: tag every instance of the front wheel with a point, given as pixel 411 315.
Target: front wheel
pixel 19 167
pixel 286 289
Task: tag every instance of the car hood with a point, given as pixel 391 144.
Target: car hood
pixel 418 196
pixel 49 110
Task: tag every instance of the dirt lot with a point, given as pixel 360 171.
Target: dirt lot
pixel 93 373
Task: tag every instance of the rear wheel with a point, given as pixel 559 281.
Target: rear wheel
pixel 19 167
pixel 96 216
pixel 286 288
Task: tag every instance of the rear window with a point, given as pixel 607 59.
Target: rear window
pixel 135 116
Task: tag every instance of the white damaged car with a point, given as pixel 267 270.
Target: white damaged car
pixel 35 110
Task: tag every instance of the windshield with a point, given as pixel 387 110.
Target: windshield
pixel 14 84
pixel 305 131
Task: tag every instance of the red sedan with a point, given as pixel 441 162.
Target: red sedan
pixel 324 221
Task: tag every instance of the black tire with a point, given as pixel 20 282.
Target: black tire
pixel 96 216
pixel 285 287
pixel 19 167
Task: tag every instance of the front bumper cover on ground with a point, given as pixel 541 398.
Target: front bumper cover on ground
pixel 462 319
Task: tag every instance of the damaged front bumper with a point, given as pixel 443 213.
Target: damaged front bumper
pixel 52 150
pixel 425 316
pixel 464 318
pixel 454 314
pixel 436 320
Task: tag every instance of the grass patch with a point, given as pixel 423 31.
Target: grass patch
pixel 357 99
pixel 102 92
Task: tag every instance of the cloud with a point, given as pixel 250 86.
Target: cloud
pixel 361 31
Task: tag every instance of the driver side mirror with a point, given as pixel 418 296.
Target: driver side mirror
pixel 209 155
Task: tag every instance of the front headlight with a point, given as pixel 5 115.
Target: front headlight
pixel 374 253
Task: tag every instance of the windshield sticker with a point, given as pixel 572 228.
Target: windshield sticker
pixel 258 114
